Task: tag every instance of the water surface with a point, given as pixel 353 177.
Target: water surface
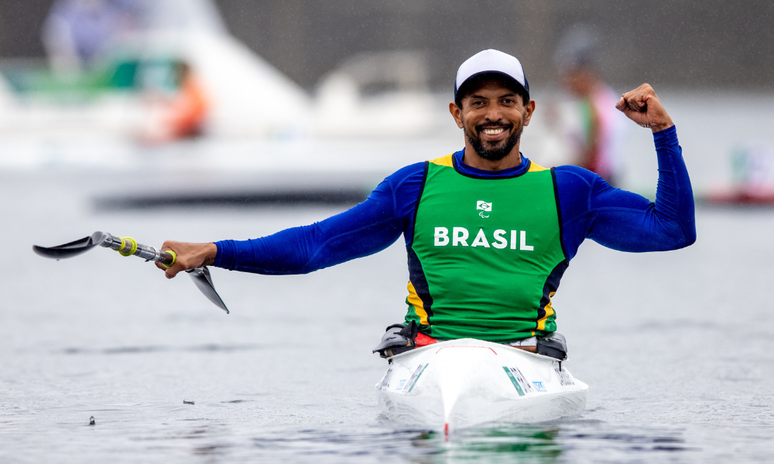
pixel 676 347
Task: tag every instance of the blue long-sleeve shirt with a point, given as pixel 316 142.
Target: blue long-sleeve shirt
pixel 589 208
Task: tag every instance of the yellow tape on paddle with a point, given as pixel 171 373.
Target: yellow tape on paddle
pixel 174 258
pixel 124 242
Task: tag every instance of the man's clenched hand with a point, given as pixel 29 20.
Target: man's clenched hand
pixel 642 106
pixel 189 256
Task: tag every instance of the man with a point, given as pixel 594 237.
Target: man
pixel 599 131
pixel 488 233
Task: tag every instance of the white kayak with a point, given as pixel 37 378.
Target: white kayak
pixel 466 382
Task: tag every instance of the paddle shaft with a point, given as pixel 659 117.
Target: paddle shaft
pixel 128 246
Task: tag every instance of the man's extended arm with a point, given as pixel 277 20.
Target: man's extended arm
pixel 363 230
pixel 360 231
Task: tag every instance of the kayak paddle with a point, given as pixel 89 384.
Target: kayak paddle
pixel 127 246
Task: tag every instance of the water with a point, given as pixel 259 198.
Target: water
pixel 676 347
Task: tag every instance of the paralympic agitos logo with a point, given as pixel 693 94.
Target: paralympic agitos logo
pixel 484 207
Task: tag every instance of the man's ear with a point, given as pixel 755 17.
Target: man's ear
pixel 529 110
pixel 456 113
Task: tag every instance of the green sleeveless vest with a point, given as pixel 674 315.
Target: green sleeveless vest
pixel 486 255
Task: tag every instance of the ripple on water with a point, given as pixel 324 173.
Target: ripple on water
pixel 160 348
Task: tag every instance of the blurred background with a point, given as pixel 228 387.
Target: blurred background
pixel 305 86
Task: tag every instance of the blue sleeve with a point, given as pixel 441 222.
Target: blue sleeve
pixel 365 229
pixel 623 220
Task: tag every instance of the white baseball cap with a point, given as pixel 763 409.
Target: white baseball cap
pixel 491 61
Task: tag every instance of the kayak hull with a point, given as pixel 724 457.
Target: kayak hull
pixel 467 382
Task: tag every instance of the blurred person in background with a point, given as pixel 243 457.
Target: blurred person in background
pixel 180 114
pixel 188 110
pixel 596 130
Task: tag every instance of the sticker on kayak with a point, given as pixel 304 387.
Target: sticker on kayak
pixel 414 378
pixel 385 382
pixel 564 377
pixel 518 380
pixel 539 386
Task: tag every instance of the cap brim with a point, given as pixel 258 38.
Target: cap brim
pixel 516 85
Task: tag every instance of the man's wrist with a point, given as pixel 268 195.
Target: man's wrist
pixel 662 127
pixel 210 253
pixel 665 138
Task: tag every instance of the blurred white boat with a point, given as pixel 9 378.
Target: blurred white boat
pixel 466 382
pixel 123 92
pixel 379 94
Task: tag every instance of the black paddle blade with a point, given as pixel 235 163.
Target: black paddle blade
pixel 68 250
pixel 203 281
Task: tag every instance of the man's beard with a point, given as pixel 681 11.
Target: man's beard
pixel 496 153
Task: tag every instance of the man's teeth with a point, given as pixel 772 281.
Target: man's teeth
pixel 493 131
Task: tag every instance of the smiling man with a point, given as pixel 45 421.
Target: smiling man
pixel 488 232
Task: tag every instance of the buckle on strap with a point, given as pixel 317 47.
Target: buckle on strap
pixel 397 339
pixel 554 345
